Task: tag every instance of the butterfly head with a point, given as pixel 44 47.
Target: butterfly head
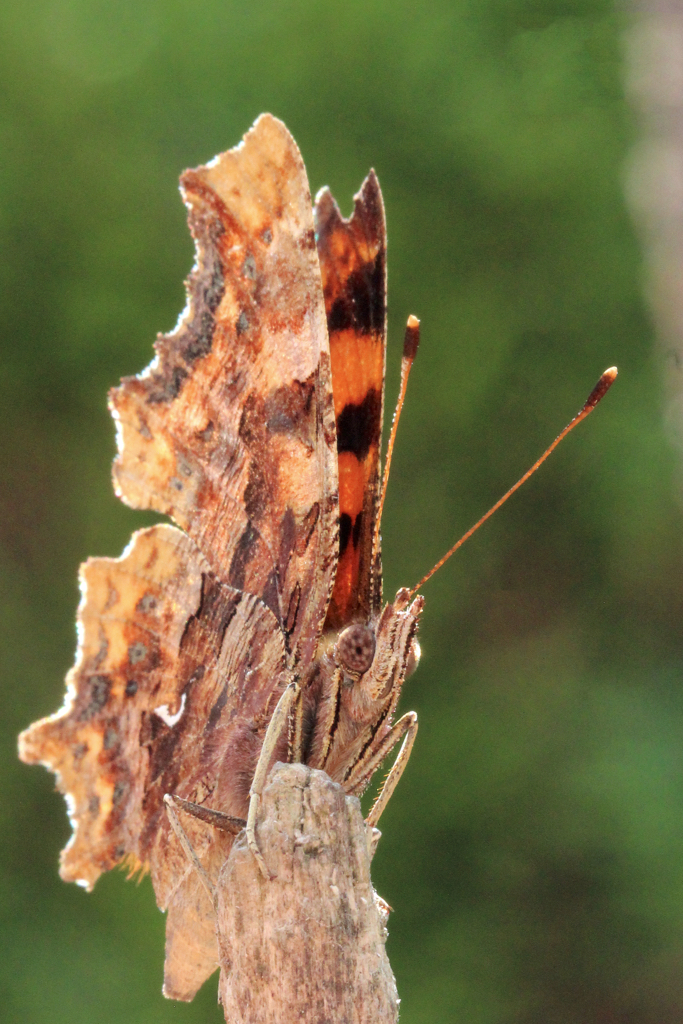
pixel 376 658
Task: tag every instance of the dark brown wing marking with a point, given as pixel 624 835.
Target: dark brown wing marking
pixel 353 265
pixel 231 429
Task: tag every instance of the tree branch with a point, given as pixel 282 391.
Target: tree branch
pixel 309 944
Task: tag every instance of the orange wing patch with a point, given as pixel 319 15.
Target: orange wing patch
pixel 352 257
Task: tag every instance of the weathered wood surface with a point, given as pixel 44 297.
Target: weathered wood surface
pixel 309 944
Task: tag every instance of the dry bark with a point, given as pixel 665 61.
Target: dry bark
pixel 308 945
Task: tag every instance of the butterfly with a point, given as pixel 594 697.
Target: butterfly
pixel 257 429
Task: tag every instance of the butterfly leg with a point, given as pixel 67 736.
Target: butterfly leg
pixel 327 712
pixel 278 724
pixel 187 846
pixel 219 819
pixel 406 729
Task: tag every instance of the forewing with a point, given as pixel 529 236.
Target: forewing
pixel 230 430
pixel 353 265
pixel 175 679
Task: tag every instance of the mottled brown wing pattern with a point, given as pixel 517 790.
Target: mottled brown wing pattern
pixel 352 257
pixel 131 621
pixel 231 429
pixel 175 679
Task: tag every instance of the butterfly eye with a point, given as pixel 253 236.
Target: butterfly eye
pixel 356 648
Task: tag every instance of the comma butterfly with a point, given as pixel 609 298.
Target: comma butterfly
pixel 254 630
pixel 257 429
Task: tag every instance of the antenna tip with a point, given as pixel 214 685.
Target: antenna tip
pixel 412 338
pixel 601 388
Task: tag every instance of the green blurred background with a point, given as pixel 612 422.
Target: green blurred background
pixel 534 850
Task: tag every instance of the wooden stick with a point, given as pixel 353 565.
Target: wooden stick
pixel 307 945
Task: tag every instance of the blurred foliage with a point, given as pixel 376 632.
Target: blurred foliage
pixel 534 850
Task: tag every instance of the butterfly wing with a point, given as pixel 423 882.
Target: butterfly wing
pixel 175 679
pixel 230 430
pixel 352 257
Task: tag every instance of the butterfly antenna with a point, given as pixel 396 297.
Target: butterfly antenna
pixel 410 344
pixel 598 392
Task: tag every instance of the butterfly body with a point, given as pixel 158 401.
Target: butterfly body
pixel 354 708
